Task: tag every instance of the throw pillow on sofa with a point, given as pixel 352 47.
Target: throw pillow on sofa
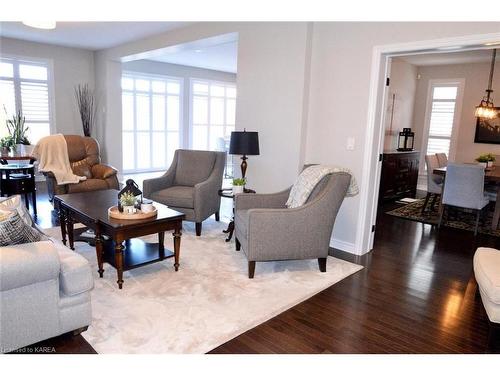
pixel 15 203
pixel 14 231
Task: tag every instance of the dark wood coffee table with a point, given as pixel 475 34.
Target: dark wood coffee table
pixel 91 209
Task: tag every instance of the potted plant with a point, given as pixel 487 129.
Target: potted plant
pixel 238 185
pixel 127 201
pixel 6 144
pixel 483 160
pixel 17 131
pixel 491 159
pixel 87 106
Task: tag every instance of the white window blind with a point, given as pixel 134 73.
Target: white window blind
pixel 442 116
pixel 213 109
pixel 24 86
pixel 151 121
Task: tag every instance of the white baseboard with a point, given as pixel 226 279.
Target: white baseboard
pixel 343 245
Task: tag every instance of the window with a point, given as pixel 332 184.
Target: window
pixel 213 109
pixel 441 117
pixel 24 86
pixel 151 121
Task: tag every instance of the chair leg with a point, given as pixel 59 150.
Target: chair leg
pixel 238 244
pixel 478 215
pixel 251 269
pixel 441 214
pixel 322 264
pixel 198 229
pixel 217 216
pixel 426 201
pixel 78 331
pixel 433 203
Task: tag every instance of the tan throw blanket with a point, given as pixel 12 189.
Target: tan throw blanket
pixel 309 178
pixel 52 155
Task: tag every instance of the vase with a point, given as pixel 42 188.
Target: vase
pixel 483 164
pixel 237 190
pixel 489 165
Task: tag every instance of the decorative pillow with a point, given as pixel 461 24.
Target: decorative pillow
pixel 14 231
pixel 15 203
pixel 309 179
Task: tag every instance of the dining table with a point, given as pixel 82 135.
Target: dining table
pixel 491 175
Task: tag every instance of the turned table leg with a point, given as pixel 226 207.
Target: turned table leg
pixel 70 227
pixel 99 251
pixel 62 223
pixel 177 247
pixel 119 262
pixel 161 245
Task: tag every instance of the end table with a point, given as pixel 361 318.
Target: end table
pixel 19 179
pixel 228 193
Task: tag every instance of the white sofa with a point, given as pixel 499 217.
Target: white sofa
pixel 487 273
pixel 44 292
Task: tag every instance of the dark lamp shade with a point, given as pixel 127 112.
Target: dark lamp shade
pixel 244 143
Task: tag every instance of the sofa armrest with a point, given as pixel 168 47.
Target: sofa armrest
pixel 248 201
pixel 159 183
pixel 27 264
pixel 103 171
pixel 75 275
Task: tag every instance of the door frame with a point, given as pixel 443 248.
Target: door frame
pixel 374 141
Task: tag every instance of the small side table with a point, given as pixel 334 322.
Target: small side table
pixel 228 193
pixel 19 179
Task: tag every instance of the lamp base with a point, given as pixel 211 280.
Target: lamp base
pixel 243 166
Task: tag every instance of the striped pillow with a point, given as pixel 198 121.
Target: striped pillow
pixel 14 231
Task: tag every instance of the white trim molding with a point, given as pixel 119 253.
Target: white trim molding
pixel 343 245
pixel 375 124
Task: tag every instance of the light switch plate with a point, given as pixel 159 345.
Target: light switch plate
pixel 350 143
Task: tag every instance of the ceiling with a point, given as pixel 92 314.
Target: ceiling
pixel 449 58
pixel 222 56
pixel 88 35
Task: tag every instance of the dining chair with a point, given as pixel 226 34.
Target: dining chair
pixel 464 188
pixel 442 159
pixel 434 182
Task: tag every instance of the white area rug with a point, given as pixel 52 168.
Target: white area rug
pixel 209 301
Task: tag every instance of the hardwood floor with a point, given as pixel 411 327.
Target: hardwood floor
pixel 416 294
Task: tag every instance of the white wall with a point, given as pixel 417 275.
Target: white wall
pixel 403 86
pixel 271 79
pixel 304 89
pixel 71 66
pixel 339 93
pixel 180 71
pixel 476 80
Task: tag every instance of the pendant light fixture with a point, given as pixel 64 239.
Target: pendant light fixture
pixel 486 109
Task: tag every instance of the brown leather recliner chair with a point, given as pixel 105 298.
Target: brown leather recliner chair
pixel 85 161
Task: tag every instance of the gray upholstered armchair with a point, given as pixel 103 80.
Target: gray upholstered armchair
pixel 267 230
pixel 190 185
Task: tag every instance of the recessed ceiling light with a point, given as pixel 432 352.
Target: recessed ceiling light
pixel 198 50
pixel 46 25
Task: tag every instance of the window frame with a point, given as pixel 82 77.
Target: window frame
pixel 150 76
pixel 208 81
pixel 460 84
pixel 16 79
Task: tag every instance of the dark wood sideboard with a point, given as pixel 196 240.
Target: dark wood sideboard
pixel 399 174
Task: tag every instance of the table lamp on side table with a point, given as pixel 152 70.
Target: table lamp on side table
pixel 244 143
